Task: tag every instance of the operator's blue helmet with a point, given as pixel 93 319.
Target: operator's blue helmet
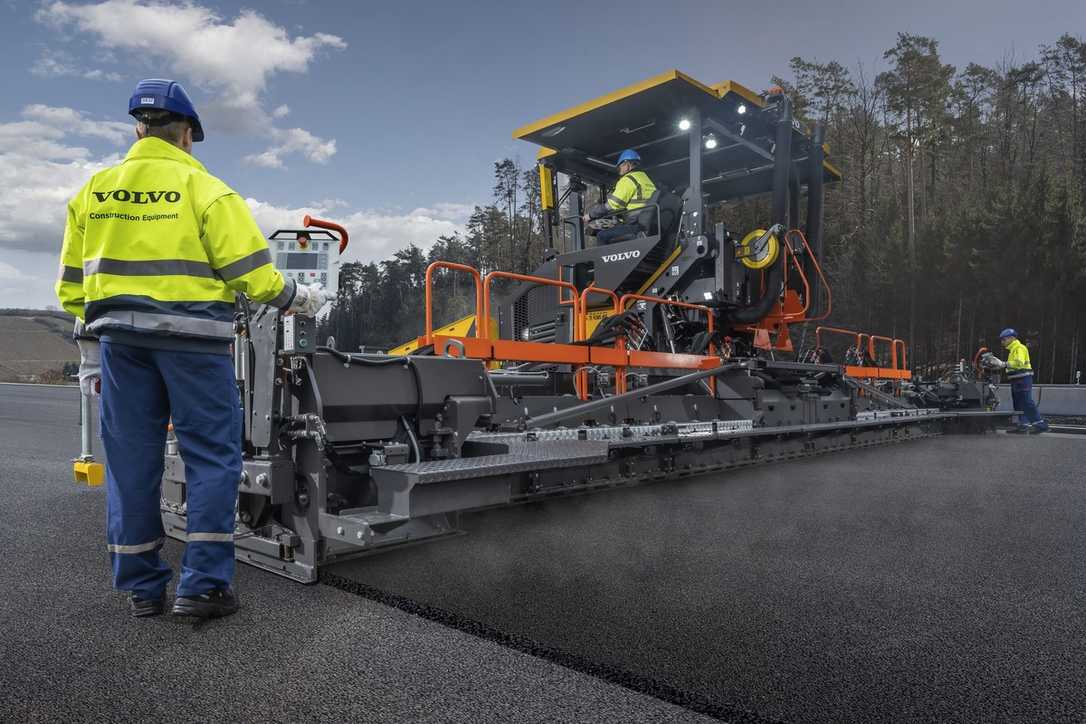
pixel 628 155
pixel 167 95
pixel 1008 332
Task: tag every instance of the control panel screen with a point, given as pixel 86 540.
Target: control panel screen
pixel 301 260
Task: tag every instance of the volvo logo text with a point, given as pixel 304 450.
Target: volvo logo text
pixel 138 197
pixel 621 256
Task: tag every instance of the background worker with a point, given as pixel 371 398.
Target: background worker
pixel 154 250
pixel 632 192
pixel 1020 374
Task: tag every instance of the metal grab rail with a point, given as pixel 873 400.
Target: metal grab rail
pixel 893 349
pixel 894 343
pixel 581 333
pixel 482 321
pixel 309 221
pixel 582 320
pixel 821 276
pixel 838 330
pixel 791 255
pixel 684 305
pixel 527 278
pixel 671 303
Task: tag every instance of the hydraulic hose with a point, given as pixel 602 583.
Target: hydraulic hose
pixel 783 206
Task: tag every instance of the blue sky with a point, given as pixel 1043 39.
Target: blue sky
pixel 388 115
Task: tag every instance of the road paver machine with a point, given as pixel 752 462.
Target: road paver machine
pixel 664 355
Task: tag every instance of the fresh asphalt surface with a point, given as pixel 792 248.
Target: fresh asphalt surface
pixel 940 580
pixel 69 651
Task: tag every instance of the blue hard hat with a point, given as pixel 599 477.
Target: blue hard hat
pixel 1008 332
pixel 167 95
pixel 628 155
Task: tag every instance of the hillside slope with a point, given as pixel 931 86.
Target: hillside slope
pixel 35 343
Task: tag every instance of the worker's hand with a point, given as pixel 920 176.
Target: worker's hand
pixel 90 366
pixel 308 300
pixel 585 217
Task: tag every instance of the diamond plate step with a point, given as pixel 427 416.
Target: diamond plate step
pixel 542 455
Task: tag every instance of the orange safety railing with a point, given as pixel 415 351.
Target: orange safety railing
pixel 671 303
pixel 898 369
pixel 648 359
pixel 578 355
pixel 581 334
pixel 789 253
pixel 582 326
pixel 535 280
pixel 893 349
pixel 481 320
pixel 895 361
pixel 837 330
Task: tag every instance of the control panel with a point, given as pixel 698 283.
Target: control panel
pixel 306 255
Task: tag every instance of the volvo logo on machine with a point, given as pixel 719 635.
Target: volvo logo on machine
pixel 621 256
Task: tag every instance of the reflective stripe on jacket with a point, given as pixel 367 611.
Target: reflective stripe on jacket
pixel 157 245
pixel 1018 365
pixel 631 192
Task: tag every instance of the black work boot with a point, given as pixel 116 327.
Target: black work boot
pixel 1038 428
pixel 1018 430
pixel 144 607
pixel 213 604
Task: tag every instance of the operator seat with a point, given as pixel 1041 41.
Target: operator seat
pixel 670 210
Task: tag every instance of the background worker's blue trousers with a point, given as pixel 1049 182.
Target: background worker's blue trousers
pixel 1022 398
pixel 141 390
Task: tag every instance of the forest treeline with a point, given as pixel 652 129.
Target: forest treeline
pixel 962 210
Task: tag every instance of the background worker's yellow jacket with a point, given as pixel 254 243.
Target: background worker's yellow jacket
pixel 1018 365
pixel 156 247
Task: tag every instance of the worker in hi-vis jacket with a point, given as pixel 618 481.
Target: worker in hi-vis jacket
pixel 1020 374
pixel 154 252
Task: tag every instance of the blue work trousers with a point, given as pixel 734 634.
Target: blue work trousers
pixel 142 389
pixel 1022 397
pixel 617 233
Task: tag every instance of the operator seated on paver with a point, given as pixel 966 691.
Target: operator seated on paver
pixel 633 191
pixel 1020 374
pixel 154 251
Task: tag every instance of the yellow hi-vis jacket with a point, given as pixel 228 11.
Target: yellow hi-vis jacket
pixel 631 192
pixel 1018 365
pixel 156 247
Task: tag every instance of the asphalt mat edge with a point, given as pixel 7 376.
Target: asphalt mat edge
pixel 638 683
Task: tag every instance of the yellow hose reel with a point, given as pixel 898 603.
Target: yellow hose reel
pixel 756 252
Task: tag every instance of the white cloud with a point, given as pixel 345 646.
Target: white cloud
pixel 447 212
pixel 234 59
pixel 27 282
pixel 375 234
pixel 53 64
pixel 293 140
pixel 40 169
pixel 71 121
